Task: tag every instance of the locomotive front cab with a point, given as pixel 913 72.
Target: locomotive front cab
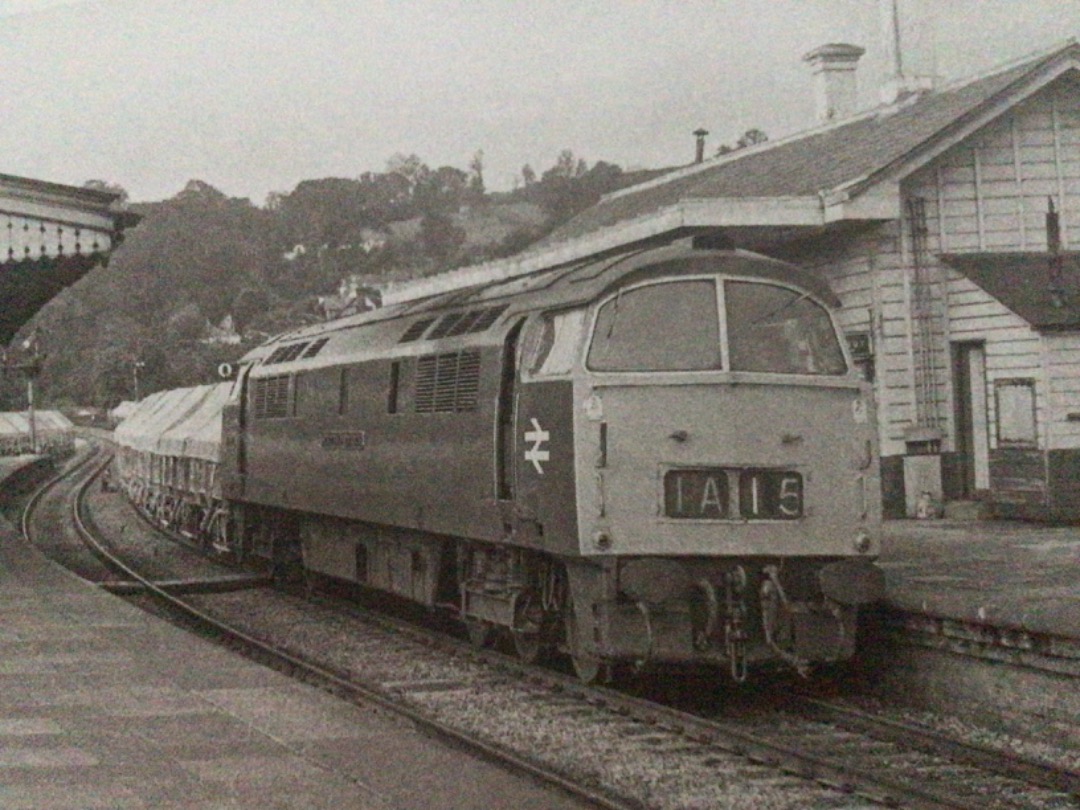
pixel 724 461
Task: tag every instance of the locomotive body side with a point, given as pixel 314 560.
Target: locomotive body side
pixel 342 451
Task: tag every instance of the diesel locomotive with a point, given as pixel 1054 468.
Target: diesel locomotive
pixel 658 457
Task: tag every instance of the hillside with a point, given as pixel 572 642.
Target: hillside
pixel 204 276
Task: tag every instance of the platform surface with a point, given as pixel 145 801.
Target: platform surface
pixel 104 706
pixel 999 573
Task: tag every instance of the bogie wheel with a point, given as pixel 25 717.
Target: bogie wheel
pixel 587 665
pixel 530 632
pixel 480 632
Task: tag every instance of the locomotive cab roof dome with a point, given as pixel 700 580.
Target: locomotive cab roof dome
pixel 572 284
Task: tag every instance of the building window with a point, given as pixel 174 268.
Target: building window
pixel 1015 401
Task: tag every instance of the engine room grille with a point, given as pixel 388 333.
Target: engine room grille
pixel 448 383
pixel 270 397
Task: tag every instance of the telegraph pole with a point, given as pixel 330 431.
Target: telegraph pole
pixel 30 365
pixel 136 364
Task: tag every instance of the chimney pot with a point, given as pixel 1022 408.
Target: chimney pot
pixel 833 66
pixel 699 134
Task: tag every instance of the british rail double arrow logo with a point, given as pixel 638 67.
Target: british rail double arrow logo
pixel 539 437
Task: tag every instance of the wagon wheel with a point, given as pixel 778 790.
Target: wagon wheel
pixel 530 632
pixel 480 632
pixel 587 665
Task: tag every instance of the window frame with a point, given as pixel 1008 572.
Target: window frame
pixel 838 333
pixel 1027 384
pixel 726 370
pixel 721 324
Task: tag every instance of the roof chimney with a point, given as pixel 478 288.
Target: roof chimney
pixel 833 67
pixel 699 154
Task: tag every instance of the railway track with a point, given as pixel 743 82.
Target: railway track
pixel 610 748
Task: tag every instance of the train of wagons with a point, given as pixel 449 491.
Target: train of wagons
pixel 659 457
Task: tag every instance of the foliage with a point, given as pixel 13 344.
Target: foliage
pixel 752 137
pixel 202 255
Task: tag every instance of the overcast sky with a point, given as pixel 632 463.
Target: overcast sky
pixel 253 96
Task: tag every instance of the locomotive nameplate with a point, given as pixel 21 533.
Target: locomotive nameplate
pixel 706 494
pixel 345 440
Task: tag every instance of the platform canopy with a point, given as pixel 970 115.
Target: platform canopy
pixel 51 235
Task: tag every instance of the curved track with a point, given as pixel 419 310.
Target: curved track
pixel 313 671
pixel 856 755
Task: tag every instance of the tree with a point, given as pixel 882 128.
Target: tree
pixel 114 188
pixel 528 175
pixel 409 167
pixel 441 237
pixel 476 177
pixel 571 186
pixel 752 137
pixel 441 191
pixel 248 305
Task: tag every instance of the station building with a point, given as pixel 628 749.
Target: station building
pixel 943 219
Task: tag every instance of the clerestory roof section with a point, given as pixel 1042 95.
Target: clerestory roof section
pixel 843 159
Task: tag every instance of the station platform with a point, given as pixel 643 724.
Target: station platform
pixel 1004 574
pixel 105 706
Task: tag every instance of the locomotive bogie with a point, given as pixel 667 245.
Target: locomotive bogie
pixel 735 612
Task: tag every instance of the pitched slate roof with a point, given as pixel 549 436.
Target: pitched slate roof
pixel 1023 283
pixel 820 160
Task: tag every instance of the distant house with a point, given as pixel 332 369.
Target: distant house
pixel 943 219
pixel 356 293
pixel 224 334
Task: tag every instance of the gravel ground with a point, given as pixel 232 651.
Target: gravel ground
pixel 1064 755
pixel 602 750
pixel 590 744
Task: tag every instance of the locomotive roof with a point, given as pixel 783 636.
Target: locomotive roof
pixel 493 305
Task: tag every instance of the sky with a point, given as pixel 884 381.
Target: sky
pixel 253 96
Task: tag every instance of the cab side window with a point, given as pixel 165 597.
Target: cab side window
pixel 669 326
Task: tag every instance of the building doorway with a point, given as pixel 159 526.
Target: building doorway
pixel 972 429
